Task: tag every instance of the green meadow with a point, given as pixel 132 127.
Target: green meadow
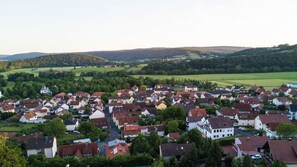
pixel 267 80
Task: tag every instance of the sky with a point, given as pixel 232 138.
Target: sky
pixel 54 26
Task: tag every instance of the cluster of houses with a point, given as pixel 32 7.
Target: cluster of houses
pixel 128 106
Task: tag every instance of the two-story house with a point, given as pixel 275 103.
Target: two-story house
pixel 46 145
pixel 217 127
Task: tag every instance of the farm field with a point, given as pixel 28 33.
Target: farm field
pixel 137 67
pixel 97 69
pixel 267 80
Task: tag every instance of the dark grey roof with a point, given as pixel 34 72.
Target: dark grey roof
pixel 70 122
pixel 219 92
pixel 293 107
pixel 40 142
pixel 194 118
pixel 188 107
pixel 174 149
pixel 220 122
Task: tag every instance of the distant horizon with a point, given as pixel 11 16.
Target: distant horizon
pixel 111 50
pixel 80 26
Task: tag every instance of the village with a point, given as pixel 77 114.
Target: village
pixel 244 120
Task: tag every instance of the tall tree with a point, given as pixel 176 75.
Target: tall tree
pixel 195 137
pixel 215 154
pixel 140 145
pixel 10 157
pixel 154 141
pixel 55 127
pixel 172 126
pixel 286 130
pixel 278 163
pixel 247 161
pixel 90 130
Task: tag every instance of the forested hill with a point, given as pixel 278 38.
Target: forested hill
pixel 167 53
pixel 70 59
pixel 285 48
pixel 145 54
pixel 281 58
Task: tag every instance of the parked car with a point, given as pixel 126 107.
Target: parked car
pixel 75 131
pixel 256 157
pixel 242 128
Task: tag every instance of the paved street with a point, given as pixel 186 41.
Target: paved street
pixel 113 131
pixel 244 132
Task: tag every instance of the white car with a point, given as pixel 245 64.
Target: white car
pixel 256 157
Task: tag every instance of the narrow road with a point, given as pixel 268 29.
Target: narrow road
pixel 113 131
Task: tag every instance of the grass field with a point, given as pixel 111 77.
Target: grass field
pixel 68 137
pixel 7 127
pixel 268 80
pixel 137 68
pixel 77 70
pixel 98 69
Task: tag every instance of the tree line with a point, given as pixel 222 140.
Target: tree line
pixel 54 60
pixel 28 86
pixel 249 63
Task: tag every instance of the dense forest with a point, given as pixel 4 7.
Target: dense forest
pixel 281 58
pixel 57 60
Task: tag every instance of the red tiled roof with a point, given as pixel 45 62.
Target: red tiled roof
pixel 273 118
pixel 243 107
pixel 61 95
pixel 128 120
pixel 229 111
pixel 246 116
pixel 78 149
pixel 98 94
pixel 99 122
pixel 7 107
pixel 29 115
pixel 131 127
pixel 175 135
pixel 74 102
pixel 283 150
pixel 120 148
pixel 230 150
pixel 198 112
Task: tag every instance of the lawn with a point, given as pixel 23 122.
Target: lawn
pixel 268 80
pixel 68 137
pixel 15 127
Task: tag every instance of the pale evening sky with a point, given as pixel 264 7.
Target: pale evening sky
pixel 89 25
